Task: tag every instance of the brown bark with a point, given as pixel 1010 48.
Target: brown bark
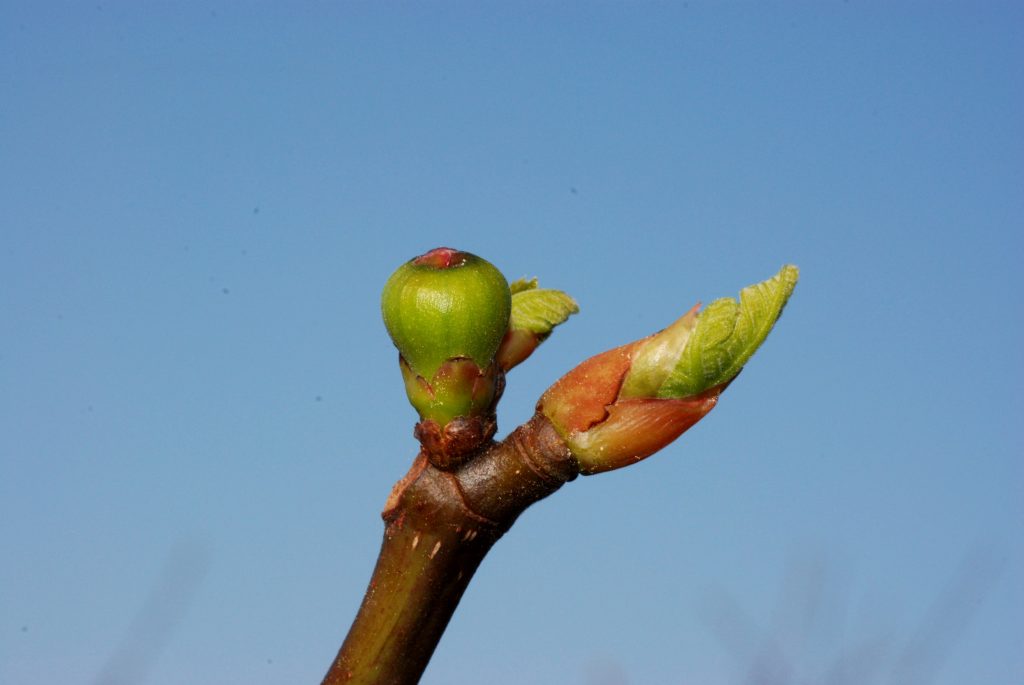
pixel 439 525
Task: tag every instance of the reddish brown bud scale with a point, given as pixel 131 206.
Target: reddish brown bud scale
pixel 447 446
pixel 635 429
pixel 580 398
pixel 516 346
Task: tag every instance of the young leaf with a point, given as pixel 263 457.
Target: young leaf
pixel 521 284
pixel 539 310
pixel 727 334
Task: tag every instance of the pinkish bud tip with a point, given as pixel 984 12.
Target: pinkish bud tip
pixel 442 258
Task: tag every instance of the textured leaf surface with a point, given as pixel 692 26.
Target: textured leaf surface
pixel 521 284
pixel 727 335
pixel 539 310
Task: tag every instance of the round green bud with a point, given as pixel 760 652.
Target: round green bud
pixel 444 305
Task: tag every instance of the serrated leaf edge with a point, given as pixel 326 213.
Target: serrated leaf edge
pixel 523 284
pixel 550 308
pixel 681 383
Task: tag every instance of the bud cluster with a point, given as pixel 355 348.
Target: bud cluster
pixel 459 327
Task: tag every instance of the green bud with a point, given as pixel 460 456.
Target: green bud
pixel 446 305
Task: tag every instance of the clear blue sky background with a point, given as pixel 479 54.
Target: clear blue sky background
pixel 201 414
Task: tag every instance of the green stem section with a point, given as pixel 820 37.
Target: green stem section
pixel 439 525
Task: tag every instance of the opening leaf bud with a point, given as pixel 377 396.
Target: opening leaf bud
pixel 625 404
pixel 535 313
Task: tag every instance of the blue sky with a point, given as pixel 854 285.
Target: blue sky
pixel 201 414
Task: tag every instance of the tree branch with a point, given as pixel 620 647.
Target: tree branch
pixel 439 525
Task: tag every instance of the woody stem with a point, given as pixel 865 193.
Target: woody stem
pixel 439 525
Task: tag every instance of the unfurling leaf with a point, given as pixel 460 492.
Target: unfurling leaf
pixel 727 334
pixel 629 402
pixel 521 284
pixel 539 310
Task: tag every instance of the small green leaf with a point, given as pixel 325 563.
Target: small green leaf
pixel 522 284
pixel 539 310
pixel 727 335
